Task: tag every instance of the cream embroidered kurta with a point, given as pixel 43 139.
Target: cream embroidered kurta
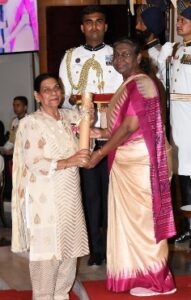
pixel 47 213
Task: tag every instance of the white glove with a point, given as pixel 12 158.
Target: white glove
pixel 165 52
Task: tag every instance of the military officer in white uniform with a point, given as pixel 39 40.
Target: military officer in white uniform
pixel 180 105
pixel 150 24
pixel 88 68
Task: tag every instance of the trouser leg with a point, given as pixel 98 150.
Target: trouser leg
pixel 94 183
pixel 91 200
pixel 185 191
pixel 65 279
pixel 104 176
pixel 52 279
pixel 79 290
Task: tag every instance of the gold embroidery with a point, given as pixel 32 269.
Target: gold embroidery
pixel 27 144
pixel 24 172
pixel 37 219
pixel 43 172
pixel 186 59
pixel 21 192
pixel 41 143
pixel 83 78
pixel 32 178
pixel 36 160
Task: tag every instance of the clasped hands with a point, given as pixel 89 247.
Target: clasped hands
pixel 85 158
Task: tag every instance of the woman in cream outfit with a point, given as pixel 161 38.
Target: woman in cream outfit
pixel 47 213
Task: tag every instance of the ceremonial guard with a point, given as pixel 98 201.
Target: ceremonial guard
pixel 88 68
pixel 180 104
pixel 150 24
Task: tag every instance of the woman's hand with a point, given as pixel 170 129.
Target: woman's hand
pixel 96 157
pixel 79 159
pixel 97 133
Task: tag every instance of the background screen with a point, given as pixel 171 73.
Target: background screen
pixel 18 26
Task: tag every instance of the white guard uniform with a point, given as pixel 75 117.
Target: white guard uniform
pixel 153 48
pixel 180 107
pixel 153 53
pixel 104 83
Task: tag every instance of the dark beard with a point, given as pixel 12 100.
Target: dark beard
pixel 142 36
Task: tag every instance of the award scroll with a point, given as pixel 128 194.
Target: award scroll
pixel 86 100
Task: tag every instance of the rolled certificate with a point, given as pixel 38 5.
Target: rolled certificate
pixel 84 142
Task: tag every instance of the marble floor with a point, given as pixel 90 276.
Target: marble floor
pixel 14 272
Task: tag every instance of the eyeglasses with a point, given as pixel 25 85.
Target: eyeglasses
pixel 49 91
pixel 123 55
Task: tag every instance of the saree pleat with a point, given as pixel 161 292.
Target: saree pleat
pixel 133 257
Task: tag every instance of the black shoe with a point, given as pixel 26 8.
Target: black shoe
pixel 183 237
pixel 95 260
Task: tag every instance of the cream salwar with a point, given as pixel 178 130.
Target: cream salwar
pixel 47 213
pixel 52 279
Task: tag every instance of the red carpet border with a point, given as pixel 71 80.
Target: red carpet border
pixel 23 295
pixel 97 291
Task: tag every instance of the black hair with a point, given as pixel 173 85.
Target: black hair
pixel 133 42
pixel 90 9
pixel 22 99
pixel 38 80
pixel 136 45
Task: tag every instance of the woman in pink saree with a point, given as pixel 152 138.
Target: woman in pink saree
pixel 140 217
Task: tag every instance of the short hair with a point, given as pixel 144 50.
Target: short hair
pixel 90 9
pixel 40 78
pixel 133 42
pixel 22 99
pixel 137 48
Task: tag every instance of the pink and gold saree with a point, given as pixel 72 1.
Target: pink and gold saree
pixel 140 217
